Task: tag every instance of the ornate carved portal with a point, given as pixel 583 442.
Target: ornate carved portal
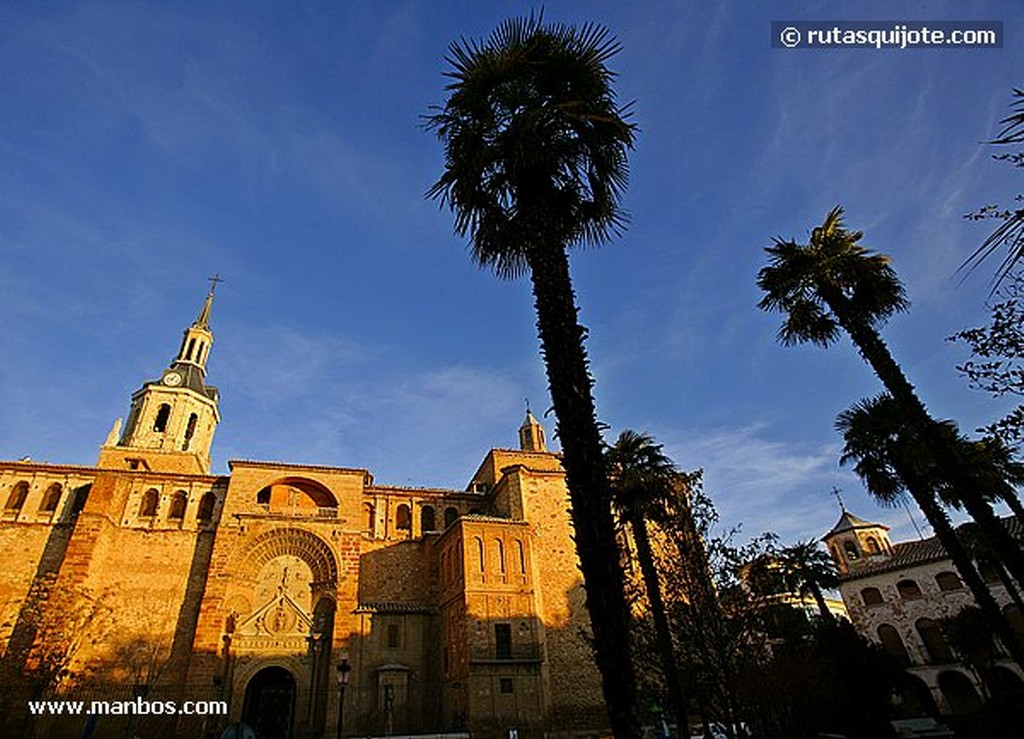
pixel 280 616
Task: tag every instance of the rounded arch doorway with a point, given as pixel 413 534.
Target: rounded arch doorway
pixel 269 706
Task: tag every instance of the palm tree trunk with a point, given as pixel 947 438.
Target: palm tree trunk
pixel 1009 585
pixel 1002 544
pixel 819 598
pixel 873 349
pixel 1011 500
pixel 662 632
pixel 561 339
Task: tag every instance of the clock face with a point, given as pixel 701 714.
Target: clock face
pixel 172 379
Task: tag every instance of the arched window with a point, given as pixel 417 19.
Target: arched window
pixel 178 503
pixel 51 498
pixel 851 550
pixel 501 555
pixel 935 643
pixel 206 505
pixel 451 514
pixel 191 346
pixel 871 596
pixel 480 552
pixel 959 692
pixel 403 518
pixel 427 519
pixel 522 557
pixel 163 413
pixel 948 581
pixel 908 589
pixel 190 430
pixel 371 519
pixel 17 497
pixel 150 503
pixel 871 546
pixel 893 643
pixel 263 496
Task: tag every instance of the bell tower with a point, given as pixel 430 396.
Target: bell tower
pixel 171 421
pixel 854 542
pixel 531 434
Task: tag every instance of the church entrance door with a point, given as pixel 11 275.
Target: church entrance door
pixel 269 706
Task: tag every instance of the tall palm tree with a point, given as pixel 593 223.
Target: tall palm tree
pixel 893 459
pixel 807 570
pixel 643 484
pixel 833 283
pixel 535 163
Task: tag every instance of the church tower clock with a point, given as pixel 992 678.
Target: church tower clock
pixel 171 422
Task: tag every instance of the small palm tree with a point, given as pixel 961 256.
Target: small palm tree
pixel 808 570
pixel 892 459
pixel 643 484
pixel 535 163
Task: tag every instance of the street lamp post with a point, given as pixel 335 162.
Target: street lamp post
pixel 344 672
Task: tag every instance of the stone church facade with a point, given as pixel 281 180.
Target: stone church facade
pixel 148 576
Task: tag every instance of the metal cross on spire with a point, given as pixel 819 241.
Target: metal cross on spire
pixel 213 282
pixel 839 498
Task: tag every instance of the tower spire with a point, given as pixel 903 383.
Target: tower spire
pixel 203 320
pixel 531 433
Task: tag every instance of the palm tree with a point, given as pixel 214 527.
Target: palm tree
pixel 807 570
pixel 535 162
pixel 893 459
pixel 834 283
pixel 643 484
pixel 1011 232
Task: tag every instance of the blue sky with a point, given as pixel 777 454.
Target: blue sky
pixel 147 145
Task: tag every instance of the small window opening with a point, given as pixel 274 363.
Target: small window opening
pixel 205 513
pixel 190 431
pixel 403 518
pixel 427 518
pixel 503 641
pixel 162 415
pixel 178 505
pixel 17 497
pixel 51 499
pixel 150 503
pixel 908 589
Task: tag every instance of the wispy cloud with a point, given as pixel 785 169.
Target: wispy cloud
pixel 760 482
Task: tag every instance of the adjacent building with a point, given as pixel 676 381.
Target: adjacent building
pixel 897 595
